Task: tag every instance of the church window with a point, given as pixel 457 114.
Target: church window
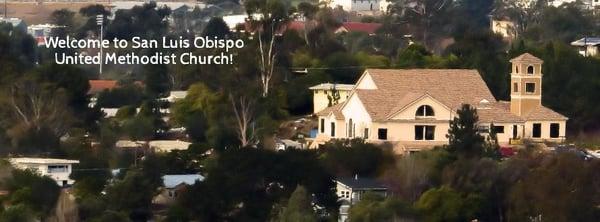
pixel 530 70
pixel 424 111
pixel 530 87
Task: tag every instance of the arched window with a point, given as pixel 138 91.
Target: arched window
pixel 424 111
pixel 529 69
pixel 350 128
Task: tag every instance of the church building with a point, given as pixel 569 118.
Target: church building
pixel 412 108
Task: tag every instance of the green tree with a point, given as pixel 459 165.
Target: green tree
pixel 16 213
pixel 89 26
pixel 216 27
pixel 561 188
pixel 299 207
pixel 133 194
pixel 37 193
pixel 464 138
pixel 445 204
pixel 351 157
pixel 374 207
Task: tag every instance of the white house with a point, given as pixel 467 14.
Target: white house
pixel 587 46
pixel 351 190
pixel 411 108
pixel 505 28
pixel 174 184
pixel 57 169
pixel 323 92
pixel 558 3
pixel 355 5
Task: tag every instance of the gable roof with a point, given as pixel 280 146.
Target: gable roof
pixel 171 181
pixel 586 41
pixel 544 113
pixel 497 112
pixel 397 88
pixel 336 110
pixel 527 58
pixel 361 183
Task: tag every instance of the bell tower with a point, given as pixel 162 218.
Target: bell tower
pixel 525 84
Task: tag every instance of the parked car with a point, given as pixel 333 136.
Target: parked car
pixel 595 153
pixel 581 153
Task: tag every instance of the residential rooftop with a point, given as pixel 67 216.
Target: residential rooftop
pixel 174 180
pixel 360 183
pixel 328 86
pixel 32 160
pixel 587 41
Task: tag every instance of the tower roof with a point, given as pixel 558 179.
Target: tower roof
pixel 527 58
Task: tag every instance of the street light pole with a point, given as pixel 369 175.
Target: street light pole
pixel 100 22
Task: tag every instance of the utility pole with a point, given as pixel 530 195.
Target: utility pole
pixel 5 9
pixel 100 22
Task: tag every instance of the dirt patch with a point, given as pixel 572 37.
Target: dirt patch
pixel 39 13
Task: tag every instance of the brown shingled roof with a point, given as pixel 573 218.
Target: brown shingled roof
pixel 544 113
pixel 527 58
pixel 396 88
pixel 335 109
pixel 498 112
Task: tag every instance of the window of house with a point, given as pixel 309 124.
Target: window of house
pixel 530 87
pixel 483 128
pixel 322 125
pixel 516 87
pixel 498 129
pixel 382 134
pixel 529 69
pixel 424 111
pixel 424 132
pixel 537 130
pixel 517 68
pixel 350 128
pixel 366 133
pixel 332 129
pixel 58 168
pixel 554 130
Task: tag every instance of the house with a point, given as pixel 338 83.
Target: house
pixel 558 3
pixel 57 169
pixel 168 145
pixel 155 145
pixel 505 28
pixel 323 92
pixel 173 186
pixel 354 5
pixel 175 96
pixel 350 191
pixel 587 46
pixel 368 28
pixel 411 108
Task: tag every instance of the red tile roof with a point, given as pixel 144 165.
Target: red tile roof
pixel 369 28
pixel 97 86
